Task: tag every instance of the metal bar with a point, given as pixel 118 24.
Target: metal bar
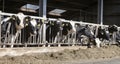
pixel 100 12
pixel 42 12
pixel 53 19
pixel 42 8
pixel 63 20
pixel 0 27
pixel 10 14
pixel 44 16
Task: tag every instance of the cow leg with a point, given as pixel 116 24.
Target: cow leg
pixel 97 41
pixel 56 38
pixel 12 41
pixel 73 38
pixel 68 39
pixel 63 39
pixel 88 45
pixel 14 38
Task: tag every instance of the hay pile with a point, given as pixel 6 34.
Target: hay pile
pixel 66 55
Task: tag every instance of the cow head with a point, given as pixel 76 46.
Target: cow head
pixel 30 25
pixel 66 28
pixel 112 28
pixel 89 32
pixel 14 18
pixel 20 19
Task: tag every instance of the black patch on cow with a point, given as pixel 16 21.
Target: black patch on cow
pixel 102 34
pixel 66 27
pixel 27 30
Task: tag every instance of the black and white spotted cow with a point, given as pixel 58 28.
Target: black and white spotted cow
pixel 11 26
pixel 103 34
pixel 58 31
pixel 39 29
pixel 85 33
pixel 52 30
pixel 67 32
pixel 113 29
pixel 29 30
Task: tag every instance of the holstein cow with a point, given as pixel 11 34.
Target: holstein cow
pixel 118 37
pixel 11 26
pixel 39 29
pixel 68 32
pixel 103 34
pixel 29 30
pixel 58 31
pixel 52 30
pixel 113 31
pixel 86 31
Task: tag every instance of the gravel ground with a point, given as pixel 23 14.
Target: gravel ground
pixel 102 55
pixel 109 61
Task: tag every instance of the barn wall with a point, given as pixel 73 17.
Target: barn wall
pixel 111 12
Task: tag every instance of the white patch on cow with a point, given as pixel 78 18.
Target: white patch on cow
pixel 73 26
pixel 98 42
pixel 33 22
pixel 21 17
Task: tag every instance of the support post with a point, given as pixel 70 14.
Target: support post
pixel 42 13
pixel 0 27
pixel 100 12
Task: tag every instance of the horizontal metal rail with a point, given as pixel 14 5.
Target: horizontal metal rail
pixel 53 19
pixel 10 14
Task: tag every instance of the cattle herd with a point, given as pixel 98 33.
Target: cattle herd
pixel 23 30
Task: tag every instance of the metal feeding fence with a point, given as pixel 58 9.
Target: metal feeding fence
pixel 6 38
pixel 40 38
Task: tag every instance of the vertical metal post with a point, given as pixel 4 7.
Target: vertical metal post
pixel 42 8
pixel 0 27
pixel 42 13
pixel 100 12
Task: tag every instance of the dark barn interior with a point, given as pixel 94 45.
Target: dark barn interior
pixel 80 10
